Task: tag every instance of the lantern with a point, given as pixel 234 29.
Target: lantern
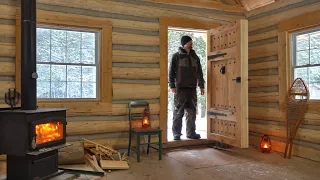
pixel 145 119
pixel 265 144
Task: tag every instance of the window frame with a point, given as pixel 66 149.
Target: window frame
pixel 97 60
pixel 63 20
pixel 286 28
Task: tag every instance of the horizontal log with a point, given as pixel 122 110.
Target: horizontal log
pixel 105 118
pixel 127 101
pixel 265 89
pixel 264 104
pixel 7 84
pixel 263 72
pixel 136 81
pixel 271 114
pixel 144 12
pixel 263 50
pixel 7 12
pixel 264 35
pixel 8 31
pixel 202 4
pixel 136 31
pixel 307 135
pixel 263 30
pixel 258 81
pixel 263 59
pixel 115 110
pixel 264 97
pixel 134 39
pixel 263 41
pixel 7 49
pixel 263 65
pixel 136 73
pixel 135 65
pixel 278 5
pixel 273 19
pixel 78 106
pixel 137 48
pixel 311 118
pixel 135 91
pixel 7 69
pixel 97 127
pixel 297 150
pixel 135 57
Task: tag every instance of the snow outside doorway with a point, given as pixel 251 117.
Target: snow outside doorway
pixel 200 46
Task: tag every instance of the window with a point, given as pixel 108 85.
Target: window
pixel 67 63
pixel 306 59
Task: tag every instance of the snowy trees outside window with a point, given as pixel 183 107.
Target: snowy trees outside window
pixel 306 59
pixel 67 63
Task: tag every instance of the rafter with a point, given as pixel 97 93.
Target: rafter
pixel 208 4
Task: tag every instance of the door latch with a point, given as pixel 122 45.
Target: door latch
pixel 223 70
pixel 237 79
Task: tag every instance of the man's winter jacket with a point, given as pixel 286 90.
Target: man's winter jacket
pixel 185 70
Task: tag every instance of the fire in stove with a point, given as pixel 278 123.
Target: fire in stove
pixel 49 132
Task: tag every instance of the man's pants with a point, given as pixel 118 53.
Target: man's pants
pixel 185 99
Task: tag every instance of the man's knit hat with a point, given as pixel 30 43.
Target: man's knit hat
pixel 185 40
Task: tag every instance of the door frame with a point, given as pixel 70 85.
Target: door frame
pixel 166 22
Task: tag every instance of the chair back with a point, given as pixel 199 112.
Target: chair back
pixel 138 116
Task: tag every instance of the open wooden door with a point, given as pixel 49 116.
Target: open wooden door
pixel 227 81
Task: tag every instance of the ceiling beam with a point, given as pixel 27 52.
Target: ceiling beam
pixel 208 4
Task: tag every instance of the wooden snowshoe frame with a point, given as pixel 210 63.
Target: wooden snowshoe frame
pixel 296 107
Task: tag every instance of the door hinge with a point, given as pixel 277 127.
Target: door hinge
pixel 216 55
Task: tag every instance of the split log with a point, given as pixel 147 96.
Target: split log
pixel 110 165
pixel 73 154
pixel 92 161
pixel 135 57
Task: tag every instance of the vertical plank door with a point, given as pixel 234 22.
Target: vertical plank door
pixel 227 84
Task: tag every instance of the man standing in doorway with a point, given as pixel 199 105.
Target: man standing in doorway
pixel 185 74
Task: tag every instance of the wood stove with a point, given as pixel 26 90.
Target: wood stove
pixel 31 137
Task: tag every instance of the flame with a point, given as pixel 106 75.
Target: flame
pixel 265 146
pixel 145 121
pixel 49 132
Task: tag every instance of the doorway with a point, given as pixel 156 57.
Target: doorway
pixel 199 38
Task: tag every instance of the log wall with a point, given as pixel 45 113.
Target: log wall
pixel 135 59
pixel 265 88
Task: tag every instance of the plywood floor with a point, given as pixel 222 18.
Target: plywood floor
pixel 207 163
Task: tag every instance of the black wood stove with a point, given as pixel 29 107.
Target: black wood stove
pixel 31 137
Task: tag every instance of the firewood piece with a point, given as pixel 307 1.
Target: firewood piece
pixel 119 156
pixel 124 156
pixel 107 164
pixel 93 162
pixel 105 147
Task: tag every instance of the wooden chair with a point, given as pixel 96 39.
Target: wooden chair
pixel 142 131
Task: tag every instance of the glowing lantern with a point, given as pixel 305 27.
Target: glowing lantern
pixel 265 144
pixel 145 119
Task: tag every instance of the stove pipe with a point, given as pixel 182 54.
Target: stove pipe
pixel 28 55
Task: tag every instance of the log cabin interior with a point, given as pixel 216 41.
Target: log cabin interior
pixel 94 57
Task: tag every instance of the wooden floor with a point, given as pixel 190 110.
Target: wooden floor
pixel 208 163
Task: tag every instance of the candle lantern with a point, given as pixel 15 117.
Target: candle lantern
pixel 265 144
pixel 145 119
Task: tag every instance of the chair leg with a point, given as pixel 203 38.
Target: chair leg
pixel 149 137
pixel 129 146
pixel 138 147
pixel 160 146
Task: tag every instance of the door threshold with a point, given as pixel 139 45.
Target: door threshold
pixel 186 142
